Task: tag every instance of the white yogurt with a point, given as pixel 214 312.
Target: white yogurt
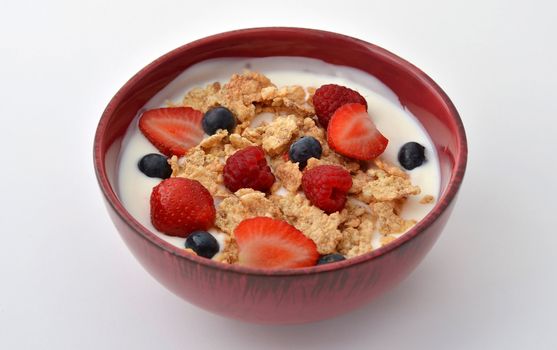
pixel 392 119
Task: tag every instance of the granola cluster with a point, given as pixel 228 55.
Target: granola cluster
pixel 376 198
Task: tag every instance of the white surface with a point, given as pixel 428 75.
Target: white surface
pixel 68 282
pixel 390 117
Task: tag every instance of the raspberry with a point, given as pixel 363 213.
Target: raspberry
pixel 326 186
pixel 248 168
pixel 180 206
pixel 329 97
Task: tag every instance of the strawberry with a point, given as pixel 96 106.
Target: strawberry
pixel 351 132
pixel 172 130
pixel 270 243
pixel 180 206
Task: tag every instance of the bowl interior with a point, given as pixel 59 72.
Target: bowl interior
pixel 416 91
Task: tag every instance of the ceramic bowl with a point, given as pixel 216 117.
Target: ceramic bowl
pixel 291 295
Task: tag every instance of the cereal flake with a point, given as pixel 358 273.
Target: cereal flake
pixel 205 168
pixel 290 175
pixel 357 231
pixel 427 199
pixel 386 187
pixel 278 134
pixel 388 221
pixel 229 254
pixel 312 221
pixel 244 204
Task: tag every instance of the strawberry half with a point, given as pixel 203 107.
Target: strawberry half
pixel 351 132
pixel 172 130
pixel 270 243
pixel 180 206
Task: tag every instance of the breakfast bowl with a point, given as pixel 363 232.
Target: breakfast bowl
pixel 294 295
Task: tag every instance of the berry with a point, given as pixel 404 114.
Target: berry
pixel 155 165
pixel 411 155
pixel 203 244
pixel 304 149
pixel 247 168
pixel 270 243
pixel 330 258
pixel 351 132
pixel 328 98
pixel 326 186
pixel 172 130
pixel 180 206
pixel 218 118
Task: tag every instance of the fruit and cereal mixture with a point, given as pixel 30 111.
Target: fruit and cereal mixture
pixel 305 187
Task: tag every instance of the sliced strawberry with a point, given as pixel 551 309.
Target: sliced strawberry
pixel 270 243
pixel 172 130
pixel 351 132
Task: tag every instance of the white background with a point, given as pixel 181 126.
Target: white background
pixel 68 281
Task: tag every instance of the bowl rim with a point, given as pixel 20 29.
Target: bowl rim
pixel 442 204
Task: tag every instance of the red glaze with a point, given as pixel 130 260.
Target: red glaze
pixel 290 295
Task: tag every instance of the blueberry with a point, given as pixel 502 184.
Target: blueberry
pixel 218 118
pixel 304 149
pixel 155 165
pixel 329 258
pixel 203 244
pixel 411 155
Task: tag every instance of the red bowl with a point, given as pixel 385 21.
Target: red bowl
pixel 290 295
